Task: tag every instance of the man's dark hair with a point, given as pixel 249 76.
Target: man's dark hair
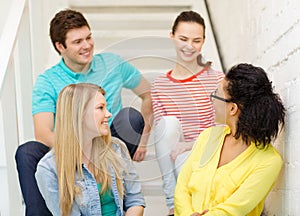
pixel 63 22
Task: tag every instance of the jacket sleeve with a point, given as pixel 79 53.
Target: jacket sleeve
pixel 132 184
pixel 47 183
pixel 48 186
pixel 133 189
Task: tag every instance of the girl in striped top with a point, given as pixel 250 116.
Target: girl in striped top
pixel 181 100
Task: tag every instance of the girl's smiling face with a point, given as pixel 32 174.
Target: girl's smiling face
pixel 96 117
pixel 188 40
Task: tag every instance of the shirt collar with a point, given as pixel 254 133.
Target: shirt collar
pixel 73 74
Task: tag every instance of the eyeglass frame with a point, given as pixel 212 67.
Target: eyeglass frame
pixel 213 95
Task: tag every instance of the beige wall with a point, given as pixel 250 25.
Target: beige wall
pixel 267 34
pixel 41 13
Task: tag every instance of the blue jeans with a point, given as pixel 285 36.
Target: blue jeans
pixel 128 126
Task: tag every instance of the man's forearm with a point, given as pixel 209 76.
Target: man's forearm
pixel 47 138
pixel 147 113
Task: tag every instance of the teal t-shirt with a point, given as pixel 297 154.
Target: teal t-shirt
pixel 108 205
pixel 107 70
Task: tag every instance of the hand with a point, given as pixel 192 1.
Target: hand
pixel 178 149
pixel 199 214
pixel 140 153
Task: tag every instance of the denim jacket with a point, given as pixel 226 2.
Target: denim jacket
pixel 88 201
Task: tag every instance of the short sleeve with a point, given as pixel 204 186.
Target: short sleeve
pixel 43 96
pixel 131 76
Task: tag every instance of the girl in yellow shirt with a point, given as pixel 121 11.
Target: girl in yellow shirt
pixel 232 168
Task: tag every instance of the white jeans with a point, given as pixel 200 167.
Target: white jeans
pixel 168 132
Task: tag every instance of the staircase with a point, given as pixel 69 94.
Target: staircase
pixel 136 30
pixel 139 32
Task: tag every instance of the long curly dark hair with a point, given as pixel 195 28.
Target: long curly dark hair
pixel 262 111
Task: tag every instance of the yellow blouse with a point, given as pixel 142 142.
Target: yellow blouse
pixel 238 188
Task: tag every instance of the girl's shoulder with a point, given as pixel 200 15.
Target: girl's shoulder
pixel 212 71
pixel 48 161
pixel 120 147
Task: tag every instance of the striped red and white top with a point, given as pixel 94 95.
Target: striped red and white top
pixel 188 100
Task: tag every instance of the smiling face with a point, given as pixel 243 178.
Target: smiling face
pixel 78 52
pixel 96 117
pixel 188 40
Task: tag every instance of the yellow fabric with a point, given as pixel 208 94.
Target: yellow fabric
pixel 238 188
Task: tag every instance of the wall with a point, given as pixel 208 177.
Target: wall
pixel 3 13
pixel 267 34
pixel 41 13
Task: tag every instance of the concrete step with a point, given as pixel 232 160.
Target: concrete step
pixel 155 205
pixel 147 44
pixel 146 53
pixel 130 33
pixel 149 172
pixel 147 39
pixel 150 176
pixel 129 3
pixel 125 21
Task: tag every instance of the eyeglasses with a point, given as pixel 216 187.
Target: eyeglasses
pixel 213 95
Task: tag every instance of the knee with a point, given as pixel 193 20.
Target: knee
pixel 168 121
pixel 129 115
pixel 22 150
pixel 134 115
pixel 168 125
pixel 30 149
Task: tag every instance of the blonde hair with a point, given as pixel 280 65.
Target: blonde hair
pixel 71 106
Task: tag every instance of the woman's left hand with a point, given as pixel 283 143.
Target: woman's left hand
pixel 178 149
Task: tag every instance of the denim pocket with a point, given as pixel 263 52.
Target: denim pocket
pixel 81 196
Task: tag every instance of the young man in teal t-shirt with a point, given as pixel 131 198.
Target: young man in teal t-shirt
pixel 71 37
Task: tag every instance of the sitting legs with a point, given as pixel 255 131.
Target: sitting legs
pixel 168 132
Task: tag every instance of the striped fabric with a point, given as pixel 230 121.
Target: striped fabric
pixel 188 100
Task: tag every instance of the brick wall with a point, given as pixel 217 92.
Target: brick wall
pixel 267 34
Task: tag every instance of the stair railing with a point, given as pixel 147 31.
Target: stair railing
pixel 15 99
